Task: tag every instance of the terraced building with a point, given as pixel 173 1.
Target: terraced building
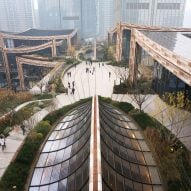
pixel 31 48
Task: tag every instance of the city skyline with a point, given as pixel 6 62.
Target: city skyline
pixel 101 15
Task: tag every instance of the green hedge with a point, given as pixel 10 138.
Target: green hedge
pixel 55 115
pixel 18 171
pixel 43 96
pixel 126 107
pixel 143 119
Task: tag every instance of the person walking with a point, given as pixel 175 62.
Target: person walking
pixel 73 90
pixel 23 128
pixel 73 83
pixel 68 84
pixel 2 142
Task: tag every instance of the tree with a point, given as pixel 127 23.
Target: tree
pixel 139 99
pixel 71 51
pixel 173 118
pixel 122 73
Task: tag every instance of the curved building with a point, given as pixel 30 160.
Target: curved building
pixel 95 147
pixel 64 160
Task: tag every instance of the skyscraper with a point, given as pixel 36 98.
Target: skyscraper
pixel 16 16
pixel 69 14
pixel 89 10
pixel 153 12
pixel 105 16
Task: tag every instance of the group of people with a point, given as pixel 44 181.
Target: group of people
pixel 89 71
pixel 69 74
pixel 100 64
pixel 71 87
pixel 2 142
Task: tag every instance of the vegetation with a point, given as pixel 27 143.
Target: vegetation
pixel 16 118
pixel 57 86
pixel 81 56
pixel 177 99
pixel 109 52
pixel 19 169
pixel 71 61
pixel 9 100
pixel 172 157
pixel 120 89
pixel 71 51
pixel 43 96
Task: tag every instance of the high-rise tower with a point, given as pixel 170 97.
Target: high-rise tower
pixel 16 16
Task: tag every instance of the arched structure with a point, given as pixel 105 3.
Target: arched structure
pixel 95 147
pixel 176 63
pixel 64 160
pixel 29 42
pixel 127 162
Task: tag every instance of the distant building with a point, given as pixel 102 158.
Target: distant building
pixel 89 10
pixel 105 16
pixel 68 14
pixel 16 16
pixel 153 12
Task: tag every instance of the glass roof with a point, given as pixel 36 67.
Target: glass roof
pixel 127 162
pixel 177 42
pixel 63 163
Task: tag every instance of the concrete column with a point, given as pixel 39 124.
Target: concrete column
pixel 54 53
pixel 95 51
pixel 119 42
pixel 7 69
pixel 132 63
pixel 20 74
pixel 69 42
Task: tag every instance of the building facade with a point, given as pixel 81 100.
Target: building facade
pixel 153 12
pixel 17 16
pixel 69 14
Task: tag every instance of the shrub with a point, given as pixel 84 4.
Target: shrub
pixel 43 127
pixel 43 96
pixel 124 106
pixel 120 89
pixel 144 120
